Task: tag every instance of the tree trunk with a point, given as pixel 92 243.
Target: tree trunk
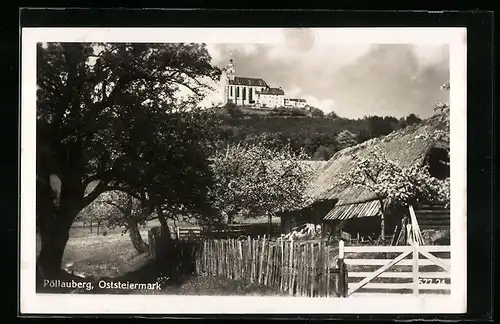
pixel 382 220
pixel 136 238
pixel 405 230
pixel 161 216
pixel 98 225
pixel 230 218
pixel 55 226
pixel 382 226
pixel 54 235
pixel 397 232
pixel 163 221
pixel 90 224
pixel 270 224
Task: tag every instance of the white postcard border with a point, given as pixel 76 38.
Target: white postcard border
pixel 32 302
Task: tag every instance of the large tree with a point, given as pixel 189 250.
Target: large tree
pixel 131 213
pixel 400 186
pixel 403 185
pixel 257 180
pixel 116 209
pixel 346 139
pixel 110 115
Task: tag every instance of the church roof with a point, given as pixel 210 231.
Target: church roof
pixel 273 91
pixel 297 99
pixel 257 82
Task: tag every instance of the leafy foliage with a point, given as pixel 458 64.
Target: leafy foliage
pixel 323 153
pixel 287 111
pixel 386 179
pixel 332 115
pixel 443 107
pixel 316 112
pixel 346 139
pixel 254 180
pixel 412 119
pixel 119 117
pixel 122 115
pixel 118 208
pixel 443 111
pixel 309 133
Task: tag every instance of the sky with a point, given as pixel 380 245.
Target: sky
pixel 353 80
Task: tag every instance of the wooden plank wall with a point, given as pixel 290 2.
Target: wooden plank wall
pixel 433 217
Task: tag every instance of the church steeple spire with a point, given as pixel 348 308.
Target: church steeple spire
pixel 230 69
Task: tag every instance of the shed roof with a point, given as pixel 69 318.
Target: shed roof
pixel 354 210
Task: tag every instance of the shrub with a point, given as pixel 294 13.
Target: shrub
pixel 298 112
pixel 436 237
pixel 234 111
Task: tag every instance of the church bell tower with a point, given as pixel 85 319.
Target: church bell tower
pixel 230 70
pixel 229 75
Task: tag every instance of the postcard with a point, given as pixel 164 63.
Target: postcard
pixel 243 170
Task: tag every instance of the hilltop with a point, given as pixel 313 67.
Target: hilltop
pixel 310 129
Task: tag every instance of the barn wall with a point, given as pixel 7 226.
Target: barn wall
pixel 313 214
pixel 286 224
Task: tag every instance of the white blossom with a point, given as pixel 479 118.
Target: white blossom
pixel 386 179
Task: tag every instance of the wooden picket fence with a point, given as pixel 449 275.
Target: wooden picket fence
pixel 299 268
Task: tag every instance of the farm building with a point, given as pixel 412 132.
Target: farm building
pixel 356 210
pixel 312 213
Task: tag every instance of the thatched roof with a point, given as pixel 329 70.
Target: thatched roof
pixel 314 166
pixel 406 146
pixel 310 166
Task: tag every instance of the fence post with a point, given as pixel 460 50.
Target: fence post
pixel 327 271
pixel 415 269
pixel 268 263
pixel 151 243
pixel 261 262
pixel 343 283
pixel 290 269
pixel 282 274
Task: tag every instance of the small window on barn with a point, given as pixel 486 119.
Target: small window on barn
pixel 438 161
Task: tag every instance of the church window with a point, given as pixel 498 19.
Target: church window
pixel 244 93
pixel 237 92
pixel 231 91
pixel 250 96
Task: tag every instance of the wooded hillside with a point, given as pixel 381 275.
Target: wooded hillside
pixel 320 136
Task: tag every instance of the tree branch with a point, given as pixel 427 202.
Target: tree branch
pixel 99 189
pixel 370 176
pixel 123 210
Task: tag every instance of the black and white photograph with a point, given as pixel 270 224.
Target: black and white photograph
pixel 243 170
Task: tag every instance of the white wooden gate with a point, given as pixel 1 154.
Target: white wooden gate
pixel 417 280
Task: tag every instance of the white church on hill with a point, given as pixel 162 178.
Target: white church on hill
pixel 253 92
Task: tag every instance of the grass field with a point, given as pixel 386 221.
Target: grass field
pixel 113 256
pixel 100 256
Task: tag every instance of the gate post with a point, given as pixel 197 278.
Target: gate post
pixel 343 283
pixel 415 269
